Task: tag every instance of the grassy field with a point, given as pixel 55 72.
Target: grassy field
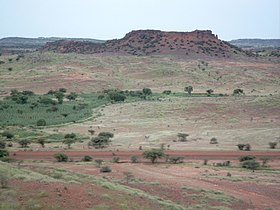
pixel 141 121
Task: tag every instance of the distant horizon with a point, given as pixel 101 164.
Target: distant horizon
pixel 70 37
pixel 106 20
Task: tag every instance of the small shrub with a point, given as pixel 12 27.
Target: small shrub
pixel 264 161
pixel 2 145
pixel 223 164
pixel 106 134
pixel 134 159
pixel 175 159
pixel 205 162
pixel 8 134
pixel 24 142
pixel 99 162
pixel 228 174
pixel 128 176
pixel 272 145
pixel 41 122
pixel 247 157
pixel 240 146
pixel 3 181
pixel 213 141
pixel 105 169
pixel 61 157
pixel 87 158
pixel 4 153
pixel 167 92
pixel 116 160
pixel 250 164
pixel 247 147
pixel 182 136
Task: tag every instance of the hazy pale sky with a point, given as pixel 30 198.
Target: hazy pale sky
pixel 109 19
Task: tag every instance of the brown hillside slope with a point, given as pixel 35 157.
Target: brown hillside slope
pixel 151 42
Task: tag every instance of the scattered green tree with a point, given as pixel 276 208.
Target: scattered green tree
pixel 91 131
pixel 42 142
pixel 209 91
pixel 134 159
pixel 69 139
pixel 117 96
pixel 250 164
pixel 153 154
pixel 72 96
pixel 272 145
pixel 188 89
pixel 106 134
pixel 240 146
pixel 59 95
pixel 238 91
pixel 99 142
pixel 4 153
pixel 8 134
pixel 247 147
pixel 213 140
pixel 2 144
pixel 147 91
pixel 24 143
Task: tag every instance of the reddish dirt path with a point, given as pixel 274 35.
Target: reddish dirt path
pixel 125 155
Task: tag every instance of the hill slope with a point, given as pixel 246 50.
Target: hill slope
pixel 22 44
pixel 256 43
pixel 151 42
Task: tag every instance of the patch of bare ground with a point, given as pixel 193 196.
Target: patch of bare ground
pixel 72 196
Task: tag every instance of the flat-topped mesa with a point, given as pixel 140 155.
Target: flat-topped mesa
pixel 194 35
pixel 152 42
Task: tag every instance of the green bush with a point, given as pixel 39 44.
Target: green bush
pixel 246 157
pixel 176 159
pixel 250 164
pixel 4 153
pixel 61 157
pixel 2 145
pixel 147 91
pixel 213 141
pixel 87 158
pixel 272 145
pixel 24 142
pixel 240 146
pixel 134 159
pixel 106 134
pixel 153 154
pixel 41 122
pixel 8 134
